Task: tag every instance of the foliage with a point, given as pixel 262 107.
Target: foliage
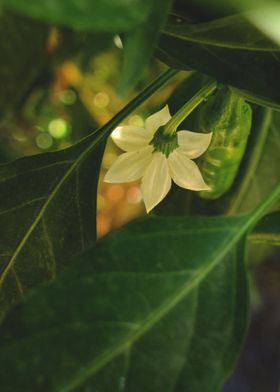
pixel 163 303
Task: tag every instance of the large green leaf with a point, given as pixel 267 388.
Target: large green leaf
pixel 47 208
pixel 20 62
pixel 162 300
pixel 101 15
pixel 139 44
pixel 160 305
pixel 228 49
pixel 152 301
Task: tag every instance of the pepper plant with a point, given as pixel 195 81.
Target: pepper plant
pixel 161 304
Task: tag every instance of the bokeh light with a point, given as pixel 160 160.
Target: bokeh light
pixel 133 195
pixel 68 97
pixel 58 128
pixel 101 100
pixel 44 141
pixel 115 193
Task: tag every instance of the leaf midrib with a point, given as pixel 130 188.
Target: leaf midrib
pixel 184 32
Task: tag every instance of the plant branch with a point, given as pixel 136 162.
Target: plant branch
pixel 189 106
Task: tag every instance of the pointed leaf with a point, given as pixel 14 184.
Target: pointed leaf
pixel 47 210
pixel 171 294
pixel 122 289
pixel 139 43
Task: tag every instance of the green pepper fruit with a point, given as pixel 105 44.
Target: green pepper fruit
pixel 229 117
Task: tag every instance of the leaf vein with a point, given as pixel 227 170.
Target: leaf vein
pixel 4 179
pixel 19 206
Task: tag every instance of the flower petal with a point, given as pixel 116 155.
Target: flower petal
pixel 129 166
pixel 131 138
pixel 157 119
pixel 156 181
pixel 193 144
pixel 185 172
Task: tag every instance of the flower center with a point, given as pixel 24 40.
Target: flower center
pixel 164 143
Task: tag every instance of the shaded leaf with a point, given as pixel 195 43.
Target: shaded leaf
pixel 264 14
pixel 47 208
pixel 20 63
pixel 268 230
pixel 98 15
pixel 139 44
pixel 230 50
pixel 98 312
pixel 151 292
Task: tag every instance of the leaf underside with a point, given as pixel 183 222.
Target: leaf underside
pixel 240 60
pixel 48 207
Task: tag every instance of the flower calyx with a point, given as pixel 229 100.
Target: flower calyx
pixel 164 142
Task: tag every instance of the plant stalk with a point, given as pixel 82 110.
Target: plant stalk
pixel 185 110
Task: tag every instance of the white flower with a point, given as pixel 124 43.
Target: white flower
pixel 143 159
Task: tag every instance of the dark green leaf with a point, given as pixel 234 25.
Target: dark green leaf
pixel 47 208
pixel 20 63
pixel 230 50
pixel 98 15
pixel 169 295
pixel 264 14
pixel 139 44
pixel 268 230
pixel 202 10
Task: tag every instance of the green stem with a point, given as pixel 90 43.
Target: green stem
pixel 140 98
pixel 189 106
pixel 256 99
pixel 255 156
